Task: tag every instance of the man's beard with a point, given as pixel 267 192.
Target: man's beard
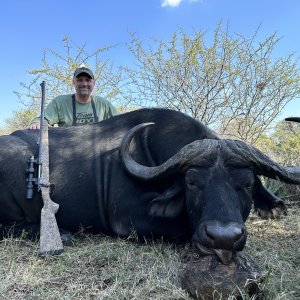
pixel 84 92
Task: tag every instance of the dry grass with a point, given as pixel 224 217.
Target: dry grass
pixel 100 267
pixel 96 268
pixel 274 245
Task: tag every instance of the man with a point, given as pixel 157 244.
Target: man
pixel 80 108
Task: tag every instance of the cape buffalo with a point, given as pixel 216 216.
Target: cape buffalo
pixel 175 179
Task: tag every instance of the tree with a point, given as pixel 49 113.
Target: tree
pixel 3 131
pixel 20 119
pixel 283 145
pixel 232 84
pixel 57 70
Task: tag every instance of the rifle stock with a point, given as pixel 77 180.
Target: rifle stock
pixel 50 241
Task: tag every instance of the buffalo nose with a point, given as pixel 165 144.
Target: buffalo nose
pixel 225 236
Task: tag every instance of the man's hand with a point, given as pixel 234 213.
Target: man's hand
pixel 35 126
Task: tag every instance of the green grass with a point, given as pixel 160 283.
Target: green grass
pixel 99 267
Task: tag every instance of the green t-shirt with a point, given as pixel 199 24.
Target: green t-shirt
pixel 60 111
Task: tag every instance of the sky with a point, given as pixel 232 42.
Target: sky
pixel 27 27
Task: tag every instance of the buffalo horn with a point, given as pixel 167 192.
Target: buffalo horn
pixel 261 163
pixel 194 152
pixel 202 152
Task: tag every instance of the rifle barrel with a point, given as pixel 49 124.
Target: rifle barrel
pixel 42 124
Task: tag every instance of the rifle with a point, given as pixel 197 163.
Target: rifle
pixel 50 241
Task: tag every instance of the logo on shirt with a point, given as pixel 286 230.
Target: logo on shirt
pixel 84 118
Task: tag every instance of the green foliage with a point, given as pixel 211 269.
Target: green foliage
pixel 283 145
pixel 287 139
pixel 20 119
pixel 57 70
pixel 230 82
pixel 3 131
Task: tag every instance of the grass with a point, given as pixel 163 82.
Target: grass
pixel 99 267
pixel 274 245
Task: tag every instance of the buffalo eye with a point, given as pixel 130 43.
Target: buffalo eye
pixel 191 183
pixel 244 187
pixel 243 179
pixel 249 189
pixel 192 180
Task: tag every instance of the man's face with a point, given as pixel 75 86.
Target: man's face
pixel 83 84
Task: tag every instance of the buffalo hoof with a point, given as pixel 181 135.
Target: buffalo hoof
pixel 207 278
pixel 67 239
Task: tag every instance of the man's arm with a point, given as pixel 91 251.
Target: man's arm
pixel 110 110
pixel 35 125
pixel 51 116
pixel 114 111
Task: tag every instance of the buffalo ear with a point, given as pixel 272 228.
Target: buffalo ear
pixel 266 204
pixel 169 204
